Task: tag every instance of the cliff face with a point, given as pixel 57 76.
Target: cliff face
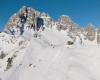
pixel 26 18
pixel 90 32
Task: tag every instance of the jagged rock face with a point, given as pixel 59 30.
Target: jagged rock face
pixel 13 21
pixel 65 20
pixel 61 24
pixel 31 17
pixel 47 20
pixel 25 18
pixel 65 23
pixel 73 30
pixel 98 36
pixel 90 33
pixel 18 20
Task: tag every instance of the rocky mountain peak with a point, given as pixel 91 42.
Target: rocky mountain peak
pixel 65 20
pixel 26 18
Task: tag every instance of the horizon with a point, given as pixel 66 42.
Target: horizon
pixel 81 12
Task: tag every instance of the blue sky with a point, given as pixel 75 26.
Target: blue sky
pixel 81 11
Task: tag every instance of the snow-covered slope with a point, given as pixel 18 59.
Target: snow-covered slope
pixel 11 48
pixel 59 63
pixel 48 51
pixel 48 58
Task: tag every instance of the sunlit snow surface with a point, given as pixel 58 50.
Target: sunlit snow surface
pixel 48 58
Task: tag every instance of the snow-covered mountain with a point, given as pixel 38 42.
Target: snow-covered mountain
pixel 35 47
pixel 28 21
